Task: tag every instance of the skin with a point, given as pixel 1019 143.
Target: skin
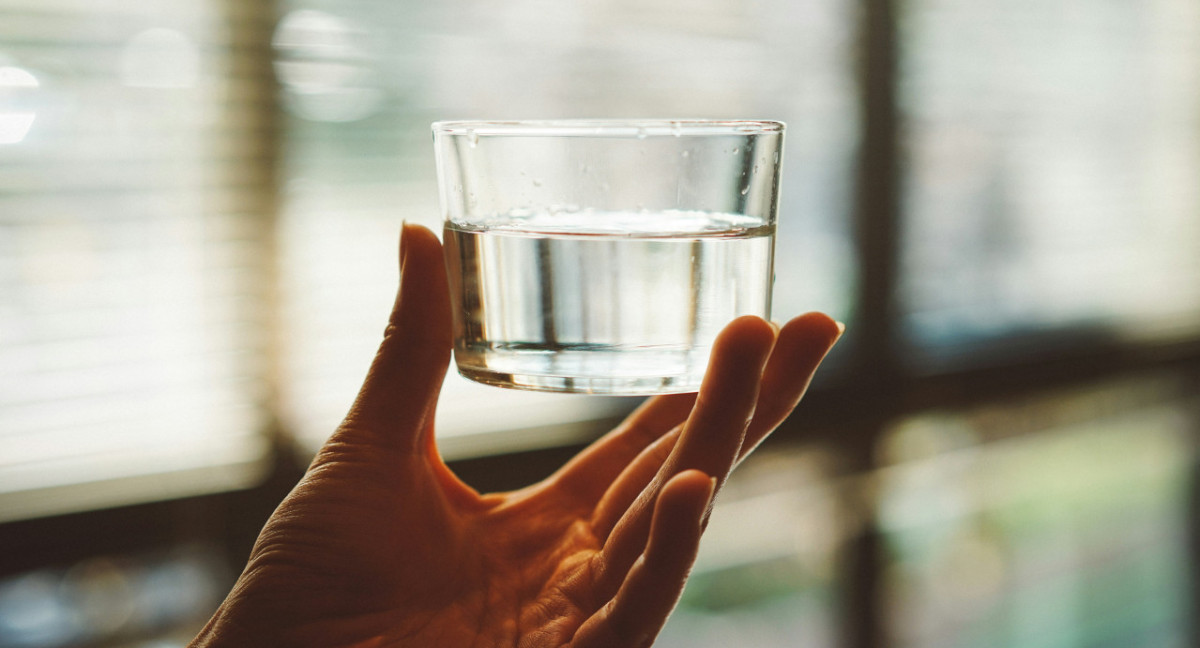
pixel 381 545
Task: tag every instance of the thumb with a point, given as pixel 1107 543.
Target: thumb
pixel 396 404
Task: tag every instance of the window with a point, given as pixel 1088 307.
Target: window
pixel 182 279
pixel 1051 153
pixel 199 209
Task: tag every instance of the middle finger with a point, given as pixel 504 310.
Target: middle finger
pixel 711 438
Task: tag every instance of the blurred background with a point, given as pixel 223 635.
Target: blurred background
pixel 199 209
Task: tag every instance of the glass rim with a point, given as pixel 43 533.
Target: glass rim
pixel 640 128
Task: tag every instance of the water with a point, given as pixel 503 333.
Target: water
pixel 605 303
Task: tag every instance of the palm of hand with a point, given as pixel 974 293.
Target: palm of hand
pixel 381 545
pixel 417 558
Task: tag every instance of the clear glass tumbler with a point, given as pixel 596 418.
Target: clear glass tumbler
pixel 604 257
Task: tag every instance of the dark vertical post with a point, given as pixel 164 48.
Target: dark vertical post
pixel 876 211
pixel 875 365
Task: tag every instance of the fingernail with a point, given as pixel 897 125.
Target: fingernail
pixel 712 489
pixel 775 325
pixel 840 327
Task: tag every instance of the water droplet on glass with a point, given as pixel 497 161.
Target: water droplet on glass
pixel 641 133
pixel 776 157
pixel 745 190
pixel 735 150
pixel 676 129
pixel 684 153
pixel 472 138
pixel 537 182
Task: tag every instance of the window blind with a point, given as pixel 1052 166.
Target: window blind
pixel 173 288
pixel 132 253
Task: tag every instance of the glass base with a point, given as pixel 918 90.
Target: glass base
pixel 639 372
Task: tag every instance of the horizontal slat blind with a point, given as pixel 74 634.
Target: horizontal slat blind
pixel 138 224
pixel 131 253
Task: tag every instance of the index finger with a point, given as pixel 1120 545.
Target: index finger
pixel 711 437
pixel 713 434
pixel 799 350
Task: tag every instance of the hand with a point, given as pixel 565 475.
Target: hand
pixel 381 545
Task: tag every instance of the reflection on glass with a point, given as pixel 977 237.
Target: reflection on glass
pixel 1052 155
pixel 1064 528
pixel 16 114
pixel 325 72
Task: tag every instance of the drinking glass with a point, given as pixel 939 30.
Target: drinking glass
pixel 604 257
